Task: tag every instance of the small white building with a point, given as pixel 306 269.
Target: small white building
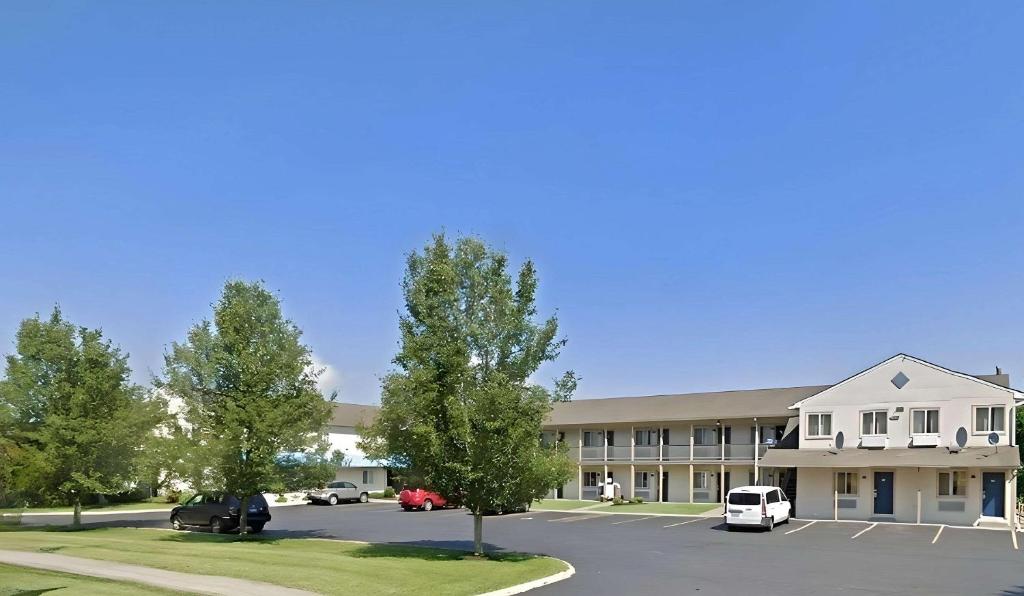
pixel 343 436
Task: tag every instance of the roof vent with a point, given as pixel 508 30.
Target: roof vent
pixel 900 380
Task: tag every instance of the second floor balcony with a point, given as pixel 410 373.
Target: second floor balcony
pixel 666 453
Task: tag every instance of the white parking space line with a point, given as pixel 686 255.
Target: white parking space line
pixel 629 521
pixel 688 522
pixel 576 518
pixel 937 534
pixel 802 527
pixel 871 527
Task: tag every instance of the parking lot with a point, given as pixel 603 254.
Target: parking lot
pixel 673 555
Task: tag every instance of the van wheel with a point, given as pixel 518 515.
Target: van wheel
pixel 428 505
pixel 216 526
pixel 771 523
pixel 363 497
pixel 176 523
pixel 332 500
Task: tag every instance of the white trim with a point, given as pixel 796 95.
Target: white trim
pixel 1018 395
pixel 807 426
pixel 874 412
pixel 537 583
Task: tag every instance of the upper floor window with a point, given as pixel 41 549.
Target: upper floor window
pixel 819 425
pixel 989 419
pixel 874 422
pixel 924 422
pixel 704 435
pixel 592 438
pixel 646 437
pixel 953 484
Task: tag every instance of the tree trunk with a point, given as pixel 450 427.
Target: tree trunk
pixel 478 533
pixel 243 516
pixel 76 522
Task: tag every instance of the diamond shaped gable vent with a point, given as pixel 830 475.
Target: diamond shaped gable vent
pixel 900 380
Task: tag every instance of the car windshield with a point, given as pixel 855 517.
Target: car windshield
pixel 744 499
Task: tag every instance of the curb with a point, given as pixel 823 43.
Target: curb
pixel 537 583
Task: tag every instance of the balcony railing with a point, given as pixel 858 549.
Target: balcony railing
pixel 667 453
pixel 645 452
pixel 676 452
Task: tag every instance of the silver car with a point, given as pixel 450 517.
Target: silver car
pixel 338 491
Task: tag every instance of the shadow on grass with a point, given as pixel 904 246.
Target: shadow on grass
pixel 438 550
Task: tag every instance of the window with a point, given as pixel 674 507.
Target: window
pixel 924 422
pixel 772 497
pixel 953 484
pixel 336 485
pixel 592 438
pixel 642 480
pixel 646 437
pixel 846 483
pixel 367 476
pixel 704 435
pixel 591 478
pixel 744 499
pixel 700 480
pixel 819 425
pixel 989 419
pixel 874 423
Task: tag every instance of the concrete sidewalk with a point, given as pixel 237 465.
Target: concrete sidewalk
pixel 172 580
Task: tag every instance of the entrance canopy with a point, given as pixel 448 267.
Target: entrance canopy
pixel 971 457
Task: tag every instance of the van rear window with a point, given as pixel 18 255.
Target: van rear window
pixel 744 499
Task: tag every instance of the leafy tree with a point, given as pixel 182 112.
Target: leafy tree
pixel 249 392
pixel 300 471
pixel 461 411
pixel 77 424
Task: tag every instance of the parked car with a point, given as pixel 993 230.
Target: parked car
pixel 338 491
pixel 761 506
pixel 220 512
pixel 420 499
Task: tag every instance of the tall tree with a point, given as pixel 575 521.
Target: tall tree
pixel 461 410
pixel 78 424
pixel 249 391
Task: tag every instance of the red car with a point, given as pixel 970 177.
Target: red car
pixel 420 499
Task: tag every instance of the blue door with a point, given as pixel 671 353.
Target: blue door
pixel 883 493
pixel 992 494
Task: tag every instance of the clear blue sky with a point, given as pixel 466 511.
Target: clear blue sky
pixel 717 195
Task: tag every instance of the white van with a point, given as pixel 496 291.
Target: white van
pixel 762 506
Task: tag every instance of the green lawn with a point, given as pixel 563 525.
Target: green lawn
pixel 111 507
pixel 681 508
pixel 563 504
pixel 325 566
pixel 24 581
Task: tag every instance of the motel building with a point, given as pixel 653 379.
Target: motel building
pixel 905 440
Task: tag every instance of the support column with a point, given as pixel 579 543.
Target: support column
pixel 835 505
pixel 661 487
pixel 757 444
pixel 579 482
pixel 721 481
pixel 632 481
pixel 604 480
pixel 661 444
pixel 604 433
pixel 632 444
pixel 919 506
pixel 691 457
pixel 691 481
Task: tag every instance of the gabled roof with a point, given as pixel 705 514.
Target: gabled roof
pixel 984 380
pixel 343 414
pixel 761 403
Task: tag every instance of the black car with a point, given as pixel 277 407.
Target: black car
pixel 220 512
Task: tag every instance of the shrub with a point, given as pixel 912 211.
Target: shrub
pixel 637 500
pixel 389 493
pixel 618 501
pixel 281 499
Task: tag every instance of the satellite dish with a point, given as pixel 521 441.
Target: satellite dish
pixel 993 438
pixel 840 440
pixel 961 437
